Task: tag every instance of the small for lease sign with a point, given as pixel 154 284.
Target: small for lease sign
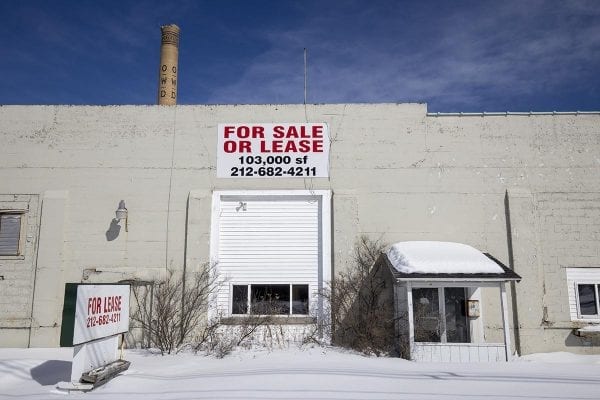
pixel 270 150
pixel 93 318
pixel 100 311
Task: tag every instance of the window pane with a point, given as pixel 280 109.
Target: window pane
pixel 270 299
pixel 426 309
pixel 239 304
pixel 300 299
pixel 457 323
pixel 10 232
pixel 587 300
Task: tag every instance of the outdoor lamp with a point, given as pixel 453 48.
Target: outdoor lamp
pixel 121 213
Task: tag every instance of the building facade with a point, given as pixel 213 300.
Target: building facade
pixel 522 187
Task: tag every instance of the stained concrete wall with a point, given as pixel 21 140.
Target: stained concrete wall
pixel 396 174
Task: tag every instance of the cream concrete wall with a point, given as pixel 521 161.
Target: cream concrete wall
pixel 396 174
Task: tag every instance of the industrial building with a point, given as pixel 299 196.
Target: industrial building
pixel 276 198
pixel 522 187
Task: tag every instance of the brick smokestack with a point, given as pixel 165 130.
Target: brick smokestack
pixel 167 74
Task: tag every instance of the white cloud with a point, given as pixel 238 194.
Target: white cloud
pixel 467 57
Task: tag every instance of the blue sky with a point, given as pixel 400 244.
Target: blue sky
pixel 510 55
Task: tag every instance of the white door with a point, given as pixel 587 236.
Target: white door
pixel 269 251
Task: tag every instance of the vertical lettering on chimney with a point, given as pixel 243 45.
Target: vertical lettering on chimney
pixel 167 75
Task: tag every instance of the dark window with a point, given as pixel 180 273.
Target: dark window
pixel 300 299
pixel 270 299
pixel 434 323
pixel 426 313
pixel 10 234
pixel 239 305
pixel 457 322
pixel 588 299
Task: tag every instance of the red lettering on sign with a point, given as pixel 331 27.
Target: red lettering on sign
pixel 295 132
pixel 258 132
pixel 243 146
pixel 228 131
pixel 112 304
pixel 244 132
pixel 94 305
pixel 317 131
pixel 291 146
pixel 278 131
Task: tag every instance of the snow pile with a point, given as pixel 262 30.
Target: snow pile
pixel 562 357
pixel 306 373
pixel 440 258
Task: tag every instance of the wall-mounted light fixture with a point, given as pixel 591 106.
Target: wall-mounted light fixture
pixel 121 213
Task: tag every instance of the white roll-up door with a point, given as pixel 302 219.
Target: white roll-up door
pixel 268 240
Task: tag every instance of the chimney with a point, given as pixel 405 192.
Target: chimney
pixel 167 74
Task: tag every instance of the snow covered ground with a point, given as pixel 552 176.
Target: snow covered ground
pixel 307 373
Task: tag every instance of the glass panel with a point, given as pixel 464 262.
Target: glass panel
pixel 300 299
pixel 457 322
pixel 587 300
pixel 239 303
pixel 426 308
pixel 10 232
pixel 270 299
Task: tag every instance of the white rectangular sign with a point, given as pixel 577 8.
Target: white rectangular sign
pixel 101 311
pixel 267 150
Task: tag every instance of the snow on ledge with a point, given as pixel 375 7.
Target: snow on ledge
pixel 594 328
pixel 440 258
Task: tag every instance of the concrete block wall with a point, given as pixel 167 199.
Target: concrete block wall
pixel 17 274
pixel 395 173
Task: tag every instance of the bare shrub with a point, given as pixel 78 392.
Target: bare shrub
pixel 361 301
pixel 172 309
pixel 265 326
pixel 214 340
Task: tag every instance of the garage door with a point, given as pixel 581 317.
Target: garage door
pixel 269 247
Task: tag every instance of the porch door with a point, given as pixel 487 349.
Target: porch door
pixel 440 315
pixel 457 322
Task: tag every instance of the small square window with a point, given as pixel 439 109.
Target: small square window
pixel 10 234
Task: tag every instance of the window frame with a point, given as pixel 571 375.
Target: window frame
pixel 20 254
pixel 442 321
pixel 595 317
pixel 249 299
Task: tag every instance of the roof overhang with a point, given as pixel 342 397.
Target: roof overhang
pixel 506 276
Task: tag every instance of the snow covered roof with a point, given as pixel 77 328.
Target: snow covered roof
pixel 445 259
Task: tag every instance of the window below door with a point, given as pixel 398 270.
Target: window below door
pixel 440 315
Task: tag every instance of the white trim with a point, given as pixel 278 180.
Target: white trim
pixel 581 276
pixel 249 298
pixel 478 281
pixel 440 284
pixel 505 324
pixel 475 325
pixel 411 322
pixel 580 316
pixel 442 314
